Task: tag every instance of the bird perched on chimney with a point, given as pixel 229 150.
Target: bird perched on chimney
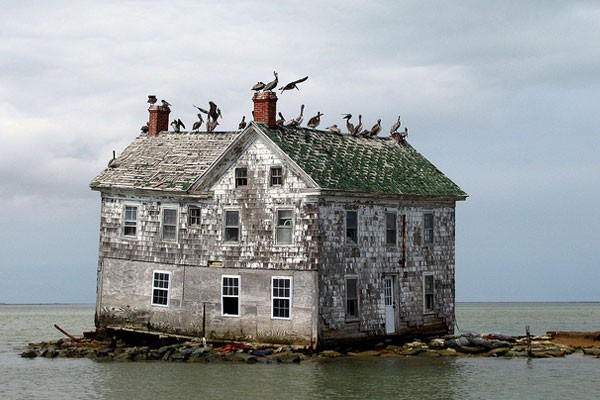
pixel 292 85
pixel 177 125
pixel 395 126
pixel 165 104
pixel 298 120
pixel 273 84
pixel 375 129
pixel 281 119
pixel 334 129
pixel 258 86
pixel 349 125
pixel 242 123
pixel 315 121
pixel 152 99
pixel 198 124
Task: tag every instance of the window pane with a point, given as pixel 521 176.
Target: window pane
pixel 194 216
pixel 351 292
pixel 231 218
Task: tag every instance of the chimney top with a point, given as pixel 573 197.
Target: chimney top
pixel 265 108
pixel 159 119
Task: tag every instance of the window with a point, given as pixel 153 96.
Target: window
pixel 130 221
pixel 284 227
pixel 193 215
pixel 428 228
pixel 232 226
pixel 428 292
pixel 282 297
pixel 161 288
pixel 351 298
pixel 351 227
pixel 390 229
pixel 169 224
pixel 276 176
pixel 230 295
pixel 241 177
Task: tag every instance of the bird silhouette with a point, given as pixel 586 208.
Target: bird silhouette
pixel 165 104
pixel 334 129
pixel 211 125
pixel 358 128
pixel 273 84
pixel 177 125
pixel 315 121
pixel 281 119
pixel 349 125
pixel 395 126
pixel 376 128
pixel 198 124
pixel 292 85
pixel 242 123
pixel 298 120
pixel 258 86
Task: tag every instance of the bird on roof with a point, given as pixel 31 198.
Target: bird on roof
pixel 376 128
pixel 315 121
pixel 281 119
pixel 152 99
pixel 349 125
pixel 211 125
pixel 214 112
pixel 242 123
pixel 145 128
pixel 292 85
pixel 273 84
pixel 198 124
pixel 165 103
pixel 177 125
pixel 334 129
pixel 404 134
pixel 395 126
pixel 359 126
pixel 298 120
pixel 258 86
pixel 202 110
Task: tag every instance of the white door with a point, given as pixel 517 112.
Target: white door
pixel 390 304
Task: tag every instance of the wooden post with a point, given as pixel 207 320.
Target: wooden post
pixel 528 334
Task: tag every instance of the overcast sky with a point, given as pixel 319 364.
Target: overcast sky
pixel 503 96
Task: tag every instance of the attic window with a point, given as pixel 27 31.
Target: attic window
pixel 351 227
pixel 241 177
pixel 193 215
pixel 276 176
pixel 428 228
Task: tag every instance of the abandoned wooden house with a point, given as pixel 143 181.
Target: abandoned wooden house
pixel 275 234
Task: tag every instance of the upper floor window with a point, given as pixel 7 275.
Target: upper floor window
pixel 169 224
pixel 351 227
pixel 390 229
pixel 193 215
pixel 232 226
pixel 130 221
pixel 284 227
pixel 282 297
pixel 230 295
pixel 276 176
pixel 428 292
pixel 351 298
pixel 428 228
pixel 241 177
pixel 161 288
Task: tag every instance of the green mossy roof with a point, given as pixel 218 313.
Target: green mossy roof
pixel 364 165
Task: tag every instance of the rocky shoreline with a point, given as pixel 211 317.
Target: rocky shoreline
pixel 553 344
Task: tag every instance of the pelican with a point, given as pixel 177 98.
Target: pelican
pixel 152 99
pixel 165 103
pixel 258 87
pixel 281 119
pixel 202 110
pixel 242 123
pixel 334 129
pixel 298 120
pixel 177 125
pixel 273 84
pixel 198 124
pixel 394 128
pixel 404 134
pixel 145 128
pixel 359 126
pixel 349 125
pixel 315 121
pixel 214 112
pixel 211 125
pixel 376 128
pixel 292 85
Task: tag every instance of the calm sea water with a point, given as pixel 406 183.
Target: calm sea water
pixel 573 377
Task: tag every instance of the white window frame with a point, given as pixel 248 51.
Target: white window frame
pixel 229 294
pixel 348 316
pixel 285 227
pixel 162 289
pixel 127 223
pixel 225 226
pixel 350 241
pixel 428 232
pixel 275 297
pixel 387 229
pixel 279 177
pixel 427 275
pixel 163 224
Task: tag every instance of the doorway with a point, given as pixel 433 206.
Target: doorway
pixel 390 304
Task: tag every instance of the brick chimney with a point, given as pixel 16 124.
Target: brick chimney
pixel 265 108
pixel 159 119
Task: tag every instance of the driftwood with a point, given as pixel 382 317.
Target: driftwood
pixel 75 339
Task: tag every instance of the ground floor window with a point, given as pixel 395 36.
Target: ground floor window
pixel 281 296
pixel 230 295
pixel 428 292
pixel 161 285
pixel 351 298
